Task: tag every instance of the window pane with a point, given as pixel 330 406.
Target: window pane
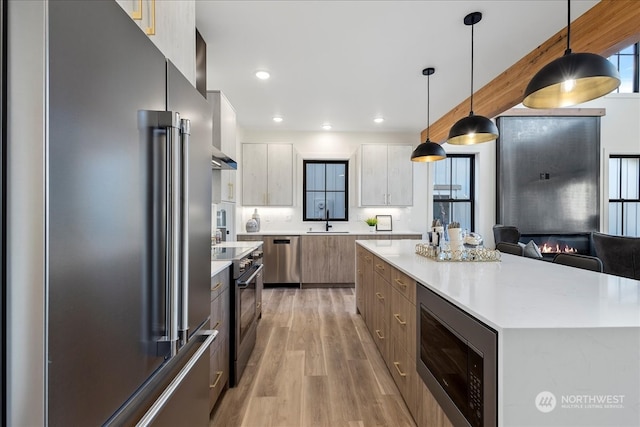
pixel 315 176
pixel 461 212
pixel 626 69
pixel 614 178
pixel 630 170
pixel 461 179
pixel 336 178
pixel 615 218
pixel 632 219
pixel 441 175
pixel 316 205
pixel 336 206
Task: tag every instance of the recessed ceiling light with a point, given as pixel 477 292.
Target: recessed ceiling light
pixel 277 119
pixel 378 119
pixel 263 75
pixel 326 126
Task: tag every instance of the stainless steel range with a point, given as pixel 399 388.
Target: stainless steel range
pixel 246 300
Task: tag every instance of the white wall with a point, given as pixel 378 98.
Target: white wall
pixel 334 145
pixel 620 134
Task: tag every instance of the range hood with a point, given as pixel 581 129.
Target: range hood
pixel 219 160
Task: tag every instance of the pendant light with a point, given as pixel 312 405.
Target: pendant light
pixel 428 151
pixel 472 129
pixel 572 79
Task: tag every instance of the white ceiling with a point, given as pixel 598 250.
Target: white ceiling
pixel 346 62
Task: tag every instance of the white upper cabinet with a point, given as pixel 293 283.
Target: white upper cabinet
pixel 386 174
pixel 225 139
pixel 267 174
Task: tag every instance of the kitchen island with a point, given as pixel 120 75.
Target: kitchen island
pixel 572 333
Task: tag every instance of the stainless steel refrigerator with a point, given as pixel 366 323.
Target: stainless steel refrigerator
pixel 128 226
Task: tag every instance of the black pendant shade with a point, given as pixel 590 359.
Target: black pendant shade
pixel 472 129
pixel 428 151
pixel 572 79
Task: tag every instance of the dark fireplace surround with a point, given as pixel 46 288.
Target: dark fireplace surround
pixel 548 180
pixel 551 244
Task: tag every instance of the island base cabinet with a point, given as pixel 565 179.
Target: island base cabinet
pixel 381 308
pixel 403 322
pixel 430 414
pixel 403 371
pixel 218 372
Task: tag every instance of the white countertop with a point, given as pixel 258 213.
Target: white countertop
pixel 218 266
pixel 318 232
pixel 253 244
pixel 520 292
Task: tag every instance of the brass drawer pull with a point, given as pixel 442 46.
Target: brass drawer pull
pixel 402 322
pixel 379 335
pixel 397 365
pixel 217 286
pixel 218 376
pixel 401 283
pixel 258 305
pixel 380 267
pixel 368 258
pixel 379 295
pixel 216 325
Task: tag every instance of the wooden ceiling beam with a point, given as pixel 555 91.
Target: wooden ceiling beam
pixel 605 29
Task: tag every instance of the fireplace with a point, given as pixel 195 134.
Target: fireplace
pixel 551 244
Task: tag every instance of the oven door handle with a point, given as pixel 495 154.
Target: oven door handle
pixel 245 283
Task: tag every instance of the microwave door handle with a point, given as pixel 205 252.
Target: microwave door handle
pixel 183 204
pixel 242 284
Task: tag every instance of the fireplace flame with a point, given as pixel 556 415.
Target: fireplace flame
pixel 546 248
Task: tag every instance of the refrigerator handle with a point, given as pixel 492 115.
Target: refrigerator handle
pixel 174 246
pixel 164 288
pixel 183 326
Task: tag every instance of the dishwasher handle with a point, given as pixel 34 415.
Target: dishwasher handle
pixel 281 241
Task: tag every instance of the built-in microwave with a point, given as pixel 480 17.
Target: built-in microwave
pixel 457 360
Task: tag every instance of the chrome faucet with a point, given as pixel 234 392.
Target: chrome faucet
pixel 327 226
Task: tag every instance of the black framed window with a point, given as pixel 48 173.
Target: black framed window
pixel 325 190
pixel 453 190
pixel 624 195
pixel 627 61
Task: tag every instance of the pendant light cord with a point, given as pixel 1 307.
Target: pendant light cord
pixel 428 122
pixel 471 112
pixel 568 51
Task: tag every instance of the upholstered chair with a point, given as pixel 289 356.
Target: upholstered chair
pixel 620 255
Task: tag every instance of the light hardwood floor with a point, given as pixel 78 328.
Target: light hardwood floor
pixel 314 364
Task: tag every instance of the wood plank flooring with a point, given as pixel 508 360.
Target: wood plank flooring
pixel 314 364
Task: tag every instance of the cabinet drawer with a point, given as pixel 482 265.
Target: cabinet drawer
pixel 218 372
pixel 382 268
pixel 404 284
pixel 220 316
pixel 403 371
pixel 403 322
pixel 220 282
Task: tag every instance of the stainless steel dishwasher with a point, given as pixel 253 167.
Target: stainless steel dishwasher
pixel 281 259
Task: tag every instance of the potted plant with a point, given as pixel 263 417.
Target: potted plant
pixel 371 222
